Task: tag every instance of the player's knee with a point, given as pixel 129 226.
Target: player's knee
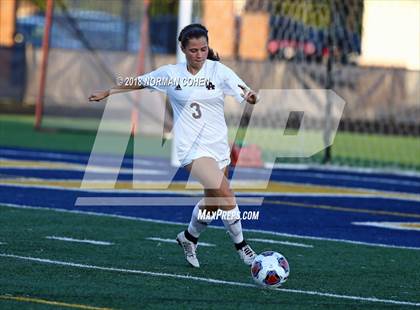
pixel 228 198
pixel 222 197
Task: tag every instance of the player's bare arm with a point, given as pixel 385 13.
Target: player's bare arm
pixel 102 94
pixel 248 94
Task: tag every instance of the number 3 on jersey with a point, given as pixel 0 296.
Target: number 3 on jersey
pixel 197 111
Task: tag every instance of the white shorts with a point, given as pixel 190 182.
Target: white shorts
pixel 221 163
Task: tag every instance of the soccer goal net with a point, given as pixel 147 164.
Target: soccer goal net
pixel 312 45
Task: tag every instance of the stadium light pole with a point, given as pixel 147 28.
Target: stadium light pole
pixel 184 19
pixel 39 107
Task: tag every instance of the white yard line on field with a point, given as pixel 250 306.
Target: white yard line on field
pixel 174 241
pixel 391 225
pixel 281 242
pixel 207 280
pixel 95 242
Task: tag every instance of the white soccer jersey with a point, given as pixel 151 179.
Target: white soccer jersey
pixel 198 105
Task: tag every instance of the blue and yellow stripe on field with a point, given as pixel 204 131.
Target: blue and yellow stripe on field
pixel 243 187
pixel 72 181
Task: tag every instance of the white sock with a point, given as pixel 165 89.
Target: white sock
pixel 234 226
pixel 196 227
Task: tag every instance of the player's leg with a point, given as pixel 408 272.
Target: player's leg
pixel 219 195
pixel 188 239
pixel 234 227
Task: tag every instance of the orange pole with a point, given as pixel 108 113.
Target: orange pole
pixel 144 41
pixel 144 37
pixel 44 62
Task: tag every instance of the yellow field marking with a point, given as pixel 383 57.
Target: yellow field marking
pixel 275 187
pixel 410 225
pixel 38 164
pixel 62 165
pixel 342 209
pixel 50 302
pixel 282 187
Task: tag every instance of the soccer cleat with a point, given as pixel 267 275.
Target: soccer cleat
pixel 189 249
pixel 247 254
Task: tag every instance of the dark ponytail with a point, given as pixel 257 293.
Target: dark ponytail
pixel 196 31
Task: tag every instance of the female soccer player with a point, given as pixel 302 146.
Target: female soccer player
pixel 196 90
